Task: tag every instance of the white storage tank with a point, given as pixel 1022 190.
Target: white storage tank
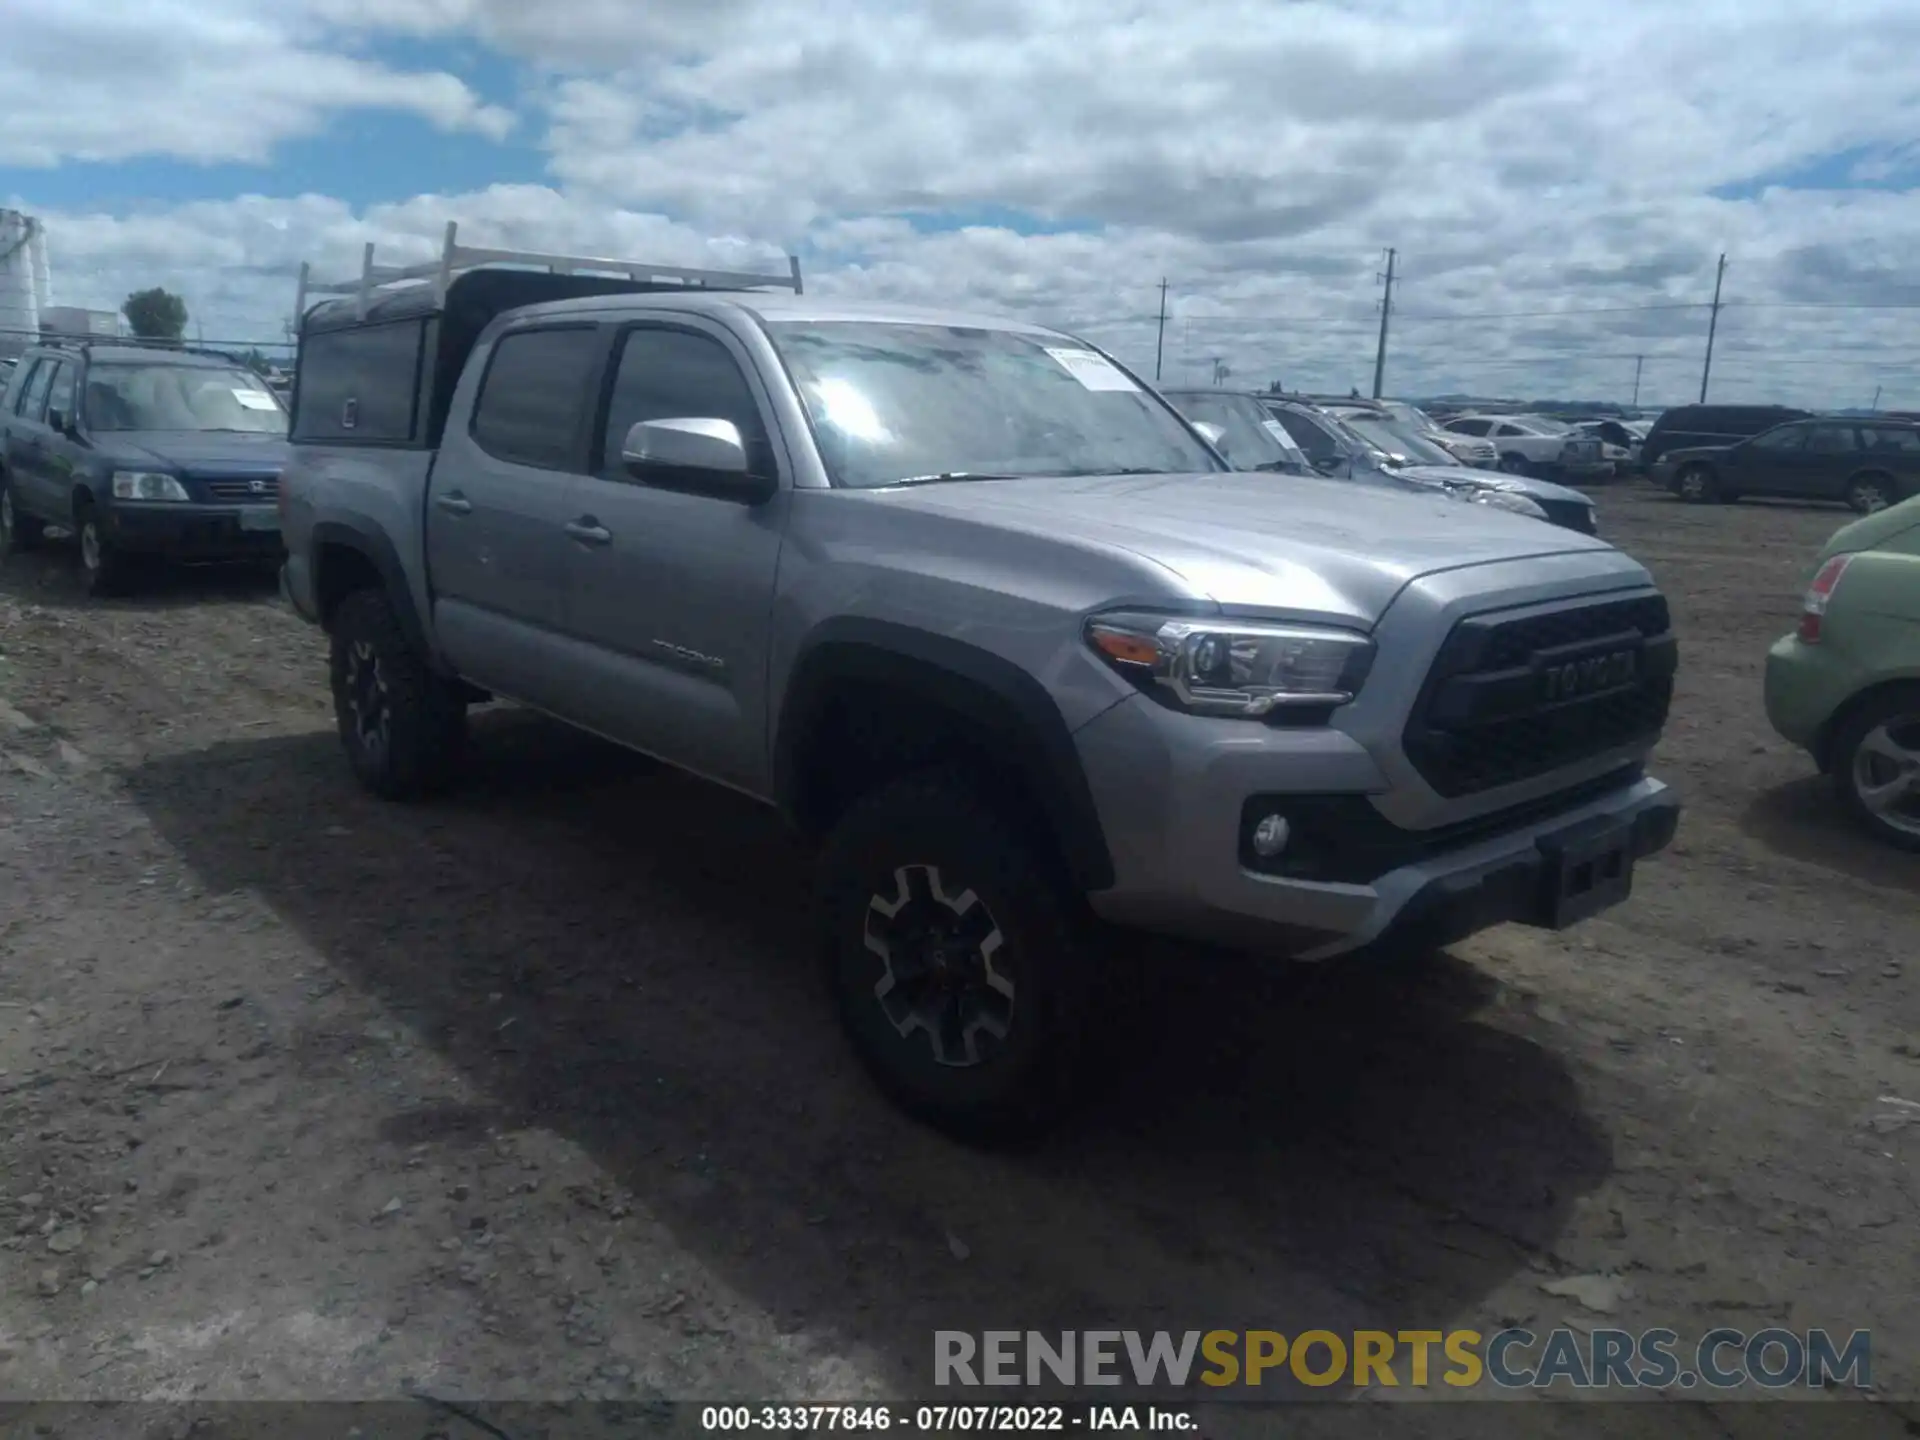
pixel 25 287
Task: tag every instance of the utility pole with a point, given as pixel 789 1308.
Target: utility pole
pixel 1713 324
pixel 1386 308
pixel 1875 407
pixel 1160 342
pixel 1638 361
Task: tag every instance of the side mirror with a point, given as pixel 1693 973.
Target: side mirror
pixel 701 454
pixel 1212 434
pixel 60 422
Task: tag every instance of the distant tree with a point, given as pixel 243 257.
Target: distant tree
pixel 156 314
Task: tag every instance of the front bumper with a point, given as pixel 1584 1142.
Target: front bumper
pixel 1805 687
pixel 1586 469
pixel 193 532
pixel 1176 819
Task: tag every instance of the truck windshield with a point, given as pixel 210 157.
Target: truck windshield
pixel 894 402
pixel 180 397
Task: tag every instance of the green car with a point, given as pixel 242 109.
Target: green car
pixel 1846 684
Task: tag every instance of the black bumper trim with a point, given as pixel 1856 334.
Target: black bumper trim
pixel 1449 908
pixel 187 532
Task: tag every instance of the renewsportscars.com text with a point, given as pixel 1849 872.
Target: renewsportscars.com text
pixel 1509 1359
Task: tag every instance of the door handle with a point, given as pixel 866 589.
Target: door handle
pixel 454 503
pixel 590 531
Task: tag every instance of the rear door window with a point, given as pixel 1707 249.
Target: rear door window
pixel 1831 440
pixel 1480 428
pixel 534 396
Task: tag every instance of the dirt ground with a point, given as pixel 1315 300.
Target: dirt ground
pixel 532 1093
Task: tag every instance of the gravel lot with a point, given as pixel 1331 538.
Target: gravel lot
pixel 532 1093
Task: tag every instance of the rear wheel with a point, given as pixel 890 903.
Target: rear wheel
pixel 1868 494
pixel 955 953
pixel 1876 766
pixel 402 726
pixel 1698 485
pixel 17 531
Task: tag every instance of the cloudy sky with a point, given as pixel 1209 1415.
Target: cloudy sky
pixel 1558 179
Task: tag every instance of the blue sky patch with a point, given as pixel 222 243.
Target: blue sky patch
pixel 1860 167
pixel 364 157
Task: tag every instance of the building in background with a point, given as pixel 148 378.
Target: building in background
pixel 71 320
pixel 25 288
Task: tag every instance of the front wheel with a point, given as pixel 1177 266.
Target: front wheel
pixel 1876 766
pixel 1697 485
pixel 1515 464
pixel 106 567
pixel 402 726
pixel 956 958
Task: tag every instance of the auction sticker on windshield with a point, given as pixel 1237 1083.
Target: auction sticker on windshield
pixel 1096 372
pixel 1279 432
pixel 256 399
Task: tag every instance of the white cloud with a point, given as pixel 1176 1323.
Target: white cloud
pixel 202 80
pixel 1521 157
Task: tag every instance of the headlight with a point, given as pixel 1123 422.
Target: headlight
pixel 146 485
pixel 1233 667
pixel 1505 500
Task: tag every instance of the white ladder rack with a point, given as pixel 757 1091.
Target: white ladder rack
pixel 456 259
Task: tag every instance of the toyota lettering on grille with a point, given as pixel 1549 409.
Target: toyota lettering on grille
pixel 1589 675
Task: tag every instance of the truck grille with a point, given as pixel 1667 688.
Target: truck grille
pixel 1518 694
pixel 242 489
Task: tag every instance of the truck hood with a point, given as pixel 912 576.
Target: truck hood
pixel 1255 541
pixel 198 452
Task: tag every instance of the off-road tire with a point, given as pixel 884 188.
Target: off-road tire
pixel 18 532
pixel 425 718
pixel 944 823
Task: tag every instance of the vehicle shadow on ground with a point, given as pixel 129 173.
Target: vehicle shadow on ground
pixel 1261 1147
pixel 1802 819
pixel 50 576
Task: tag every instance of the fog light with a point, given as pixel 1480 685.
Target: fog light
pixel 1270 836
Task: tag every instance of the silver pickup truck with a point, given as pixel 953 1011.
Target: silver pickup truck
pixel 975 607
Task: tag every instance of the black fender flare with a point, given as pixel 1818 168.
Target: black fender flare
pixel 991 694
pixel 373 546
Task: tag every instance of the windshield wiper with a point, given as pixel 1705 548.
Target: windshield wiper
pixel 946 475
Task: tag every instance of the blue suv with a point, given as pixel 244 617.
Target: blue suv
pixel 141 450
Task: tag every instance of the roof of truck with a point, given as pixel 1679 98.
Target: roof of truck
pixel 774 305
